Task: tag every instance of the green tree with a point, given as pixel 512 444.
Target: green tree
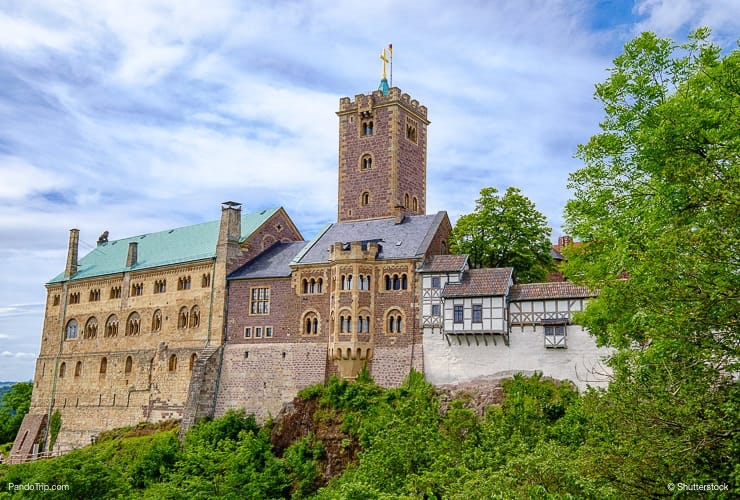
pixel 505 231
pixel 13 407
pixel 659 200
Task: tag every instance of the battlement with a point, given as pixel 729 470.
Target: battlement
pixel 355 250
pixel 366 102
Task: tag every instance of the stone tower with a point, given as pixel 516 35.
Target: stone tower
pixel 382 156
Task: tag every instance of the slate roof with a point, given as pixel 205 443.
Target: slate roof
pixel 558 290
pixel 444 263
pixel 480 283
pixel 410 239
pixel 172 246
pixel 272 263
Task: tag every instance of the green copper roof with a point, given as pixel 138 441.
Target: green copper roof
pixel 173 246
pixel 383 87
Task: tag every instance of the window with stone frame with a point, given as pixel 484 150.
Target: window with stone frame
pixel 247 332
pixel 94 295
pixel 55 300
pixel 172 363
pixel 133 325
pixel 183 283
pixel 366 162
pixel 129 366
pixel 205 281
pixel 91 328
pixel 111 326
pixel 78 369
pixel 160 286
pixel 194 317
pixel 394 323
pixel 103 365
pixel 268 332
pixel 115 292
pixel 74 298
pixel 365 198
pixel 367 127
pixel 182 317
pixel 157 320
pixel 137 289
pixel 412 127
pixel 259 302
pixel 193 359
pixel 70 332
pixel 62 370
pixel 310 323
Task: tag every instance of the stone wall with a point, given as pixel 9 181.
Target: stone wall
pixel 458 361
pixel 262 377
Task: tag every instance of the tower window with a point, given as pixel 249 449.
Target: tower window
pixel 411 128
pixel 415 204
pixel 366 127
pixel 406 200
pixel 365 198
pixel 366 162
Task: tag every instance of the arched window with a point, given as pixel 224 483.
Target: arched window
pixel 205 281
pixel 415 204
pixel 91 328
pixel 365 198
pixel 103 365
pixel 305 285
pixel 129 365
pixel 193 359
pixel 194 317
pixel 349 282
pixel 133 325
pixel 319 285
pixel 312 286
pixel 182 318
pixel 62 370
pixel 78 369
pixel 404 282
pixel 172 364
pixel 388 282
pixel 406 200
pixel 366 162
pixel 394 322
pixel 70 332
pixel 310 323
pixel 367 324
pixel 396 282
pixel 157 320
pixel 111 326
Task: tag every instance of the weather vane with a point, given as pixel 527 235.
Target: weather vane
pixel 387 57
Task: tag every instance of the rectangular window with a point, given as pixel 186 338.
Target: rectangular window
pixel 458 314
pixel 248 332
pixel 555 330
pixel 435 309
pixel 477 313
pixel 258 332
pixel 268 331
pixel 435 282
pixel 260 301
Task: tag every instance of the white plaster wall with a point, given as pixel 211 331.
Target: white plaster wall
pixel 580 363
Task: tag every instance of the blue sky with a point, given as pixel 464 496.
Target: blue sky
pixel 143 115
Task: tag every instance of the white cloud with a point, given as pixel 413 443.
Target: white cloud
pixel 21 179
pixel 18 34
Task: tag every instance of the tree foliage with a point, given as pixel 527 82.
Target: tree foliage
pixel 505 231
pixel 13 407
pixel 659 199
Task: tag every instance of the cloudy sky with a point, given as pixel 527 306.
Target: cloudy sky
pixel 140 115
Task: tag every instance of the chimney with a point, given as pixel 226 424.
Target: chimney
pixel 229 233
pixel 133 251
pixel 72 253
pixel 400 214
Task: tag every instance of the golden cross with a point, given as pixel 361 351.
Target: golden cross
pixel 385 61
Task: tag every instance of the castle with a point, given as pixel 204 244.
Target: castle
pixel 242 313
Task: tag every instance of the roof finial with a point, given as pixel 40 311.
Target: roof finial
pixel 384 56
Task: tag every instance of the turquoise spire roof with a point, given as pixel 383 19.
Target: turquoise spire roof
pixel 383 87
pixel 172 246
